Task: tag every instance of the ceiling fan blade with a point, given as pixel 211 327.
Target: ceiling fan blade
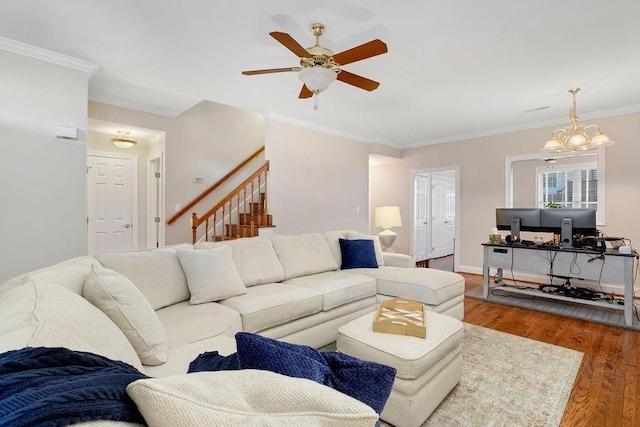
pixel 305 92
pixel 270 70
pixel 357 81
pixel 358 53
pixel 287 41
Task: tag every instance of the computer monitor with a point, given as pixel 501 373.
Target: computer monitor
pixel 567 222
pixel 518 219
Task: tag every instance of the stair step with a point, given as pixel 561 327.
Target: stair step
pixel 245 219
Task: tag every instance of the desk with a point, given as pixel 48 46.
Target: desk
pixel 613 267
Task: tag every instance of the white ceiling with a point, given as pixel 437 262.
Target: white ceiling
pixel 455 69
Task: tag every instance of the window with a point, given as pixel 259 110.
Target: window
pixel 568 186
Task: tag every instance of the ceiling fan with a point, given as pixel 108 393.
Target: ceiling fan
pixel 319 66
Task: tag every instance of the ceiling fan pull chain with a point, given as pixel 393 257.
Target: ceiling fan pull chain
pixel 315 101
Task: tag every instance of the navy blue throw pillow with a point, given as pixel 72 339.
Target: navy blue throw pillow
pixel 358 253
pixel 57 386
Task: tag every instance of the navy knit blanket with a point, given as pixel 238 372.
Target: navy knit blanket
pixel 58 387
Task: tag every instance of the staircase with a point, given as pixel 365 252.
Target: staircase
pixel 248 224
pixel 242 213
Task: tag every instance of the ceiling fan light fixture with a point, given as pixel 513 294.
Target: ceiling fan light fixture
pixel 123 140
pixel 318 78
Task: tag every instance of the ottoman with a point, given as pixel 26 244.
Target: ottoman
pixel 427 368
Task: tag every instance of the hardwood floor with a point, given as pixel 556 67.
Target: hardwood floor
pixel 607 387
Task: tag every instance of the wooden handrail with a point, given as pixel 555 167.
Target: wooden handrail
pixel 217 184
pixel 230 196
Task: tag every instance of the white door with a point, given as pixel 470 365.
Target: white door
pixel 420 217
pixel 443 225
pixel 110 203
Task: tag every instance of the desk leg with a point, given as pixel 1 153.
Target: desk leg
pixel 485 279
pixel 628 291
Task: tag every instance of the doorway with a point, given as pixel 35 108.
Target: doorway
pixel 112 194
pixel 435 212
pixel 155 217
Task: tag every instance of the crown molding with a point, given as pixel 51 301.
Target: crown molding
pixel 527 126
pixel 319 128
pixel 49 56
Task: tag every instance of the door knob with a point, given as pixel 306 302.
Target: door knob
pixel 126 225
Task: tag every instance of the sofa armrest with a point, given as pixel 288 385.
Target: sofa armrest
pixel 398 260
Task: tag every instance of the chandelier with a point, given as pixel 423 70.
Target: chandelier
pixel 575 137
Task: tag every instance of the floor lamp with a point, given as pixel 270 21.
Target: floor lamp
pixel 387 217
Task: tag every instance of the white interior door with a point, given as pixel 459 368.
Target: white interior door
pixel 443 205
pixel 420 217
pixel 111 201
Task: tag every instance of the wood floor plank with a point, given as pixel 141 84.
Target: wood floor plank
pixel 607 387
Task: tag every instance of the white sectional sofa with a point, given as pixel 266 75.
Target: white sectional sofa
pixel 158 309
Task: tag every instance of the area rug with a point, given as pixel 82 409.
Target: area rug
pixel 606 316
pixel 507 381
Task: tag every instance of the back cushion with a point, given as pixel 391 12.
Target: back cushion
pixel 304 254
pixel 333 239
pixel 70 274
pixel 48 315
pixel 255 259
pixel 156 272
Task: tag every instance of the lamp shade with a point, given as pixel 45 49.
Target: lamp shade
pixel 317 78
pixel 387 217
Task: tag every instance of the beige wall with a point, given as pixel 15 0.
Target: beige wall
pixel 318 182
pixel 482 181
pixel 42 219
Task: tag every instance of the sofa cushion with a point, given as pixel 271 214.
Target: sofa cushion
pixel 337 287
pixel 303 254
pixel 358 253
pixel 248 397
pixel 48 315
pixel 125 305
pixel 272 304
pixel 426 285
pixel 185 323
pixel 69 274
pixel 332 238
pixel 352 235
pixel 211 274
pixel 156 272
pixel 180 358
pixel 255 259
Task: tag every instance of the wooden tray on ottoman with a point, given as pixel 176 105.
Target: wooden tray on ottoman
pixel 401 316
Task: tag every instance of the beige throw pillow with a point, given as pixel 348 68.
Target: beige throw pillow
pixel 118 298
pixel 245 398
pixel 211 274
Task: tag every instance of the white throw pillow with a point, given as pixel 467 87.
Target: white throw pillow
pixel 211 274
pixel 245 398
pixel 118 298
pixel 352 235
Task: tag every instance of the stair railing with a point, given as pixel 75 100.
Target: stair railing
pixel 219 220
pixel 215 185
